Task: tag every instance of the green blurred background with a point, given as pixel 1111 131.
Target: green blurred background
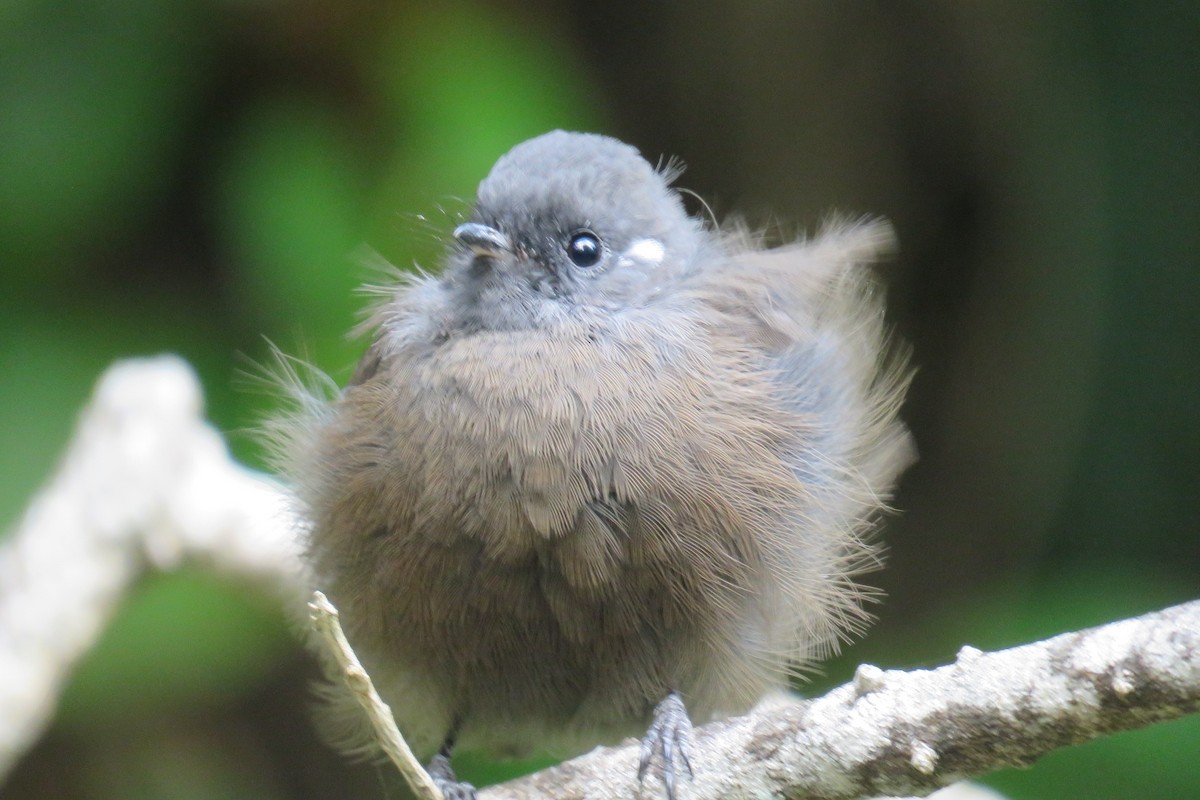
pixel 194 176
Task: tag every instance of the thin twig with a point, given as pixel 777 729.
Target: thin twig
pixel 325 622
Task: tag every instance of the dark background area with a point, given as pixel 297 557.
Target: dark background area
pixel 194 176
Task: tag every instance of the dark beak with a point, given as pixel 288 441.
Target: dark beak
pixel 483 240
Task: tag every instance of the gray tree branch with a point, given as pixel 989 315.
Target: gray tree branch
pixel 144 484
pixel 909 733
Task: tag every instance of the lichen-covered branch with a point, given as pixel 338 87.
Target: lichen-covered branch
pixel 146 483
pixel 908 733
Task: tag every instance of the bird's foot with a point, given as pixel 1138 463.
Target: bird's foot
pixel 447 782
pixel 669 739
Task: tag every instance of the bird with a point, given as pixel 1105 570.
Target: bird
pixel 614 468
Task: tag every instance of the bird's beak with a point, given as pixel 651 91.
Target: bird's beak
pixel 483 240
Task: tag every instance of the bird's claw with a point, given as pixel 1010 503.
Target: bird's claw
pixel 447 782
pixel 670 738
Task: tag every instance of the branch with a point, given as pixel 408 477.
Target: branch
pixel 147 484
pixel 909 733
pixel 325 622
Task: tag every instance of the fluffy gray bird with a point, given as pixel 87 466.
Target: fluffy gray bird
pixel 611 462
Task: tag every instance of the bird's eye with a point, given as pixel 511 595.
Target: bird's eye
pixel 584 249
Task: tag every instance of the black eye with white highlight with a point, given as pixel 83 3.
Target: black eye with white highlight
pixel 585 249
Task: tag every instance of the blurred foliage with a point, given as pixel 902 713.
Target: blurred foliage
pixel 200 176
pixel 182 639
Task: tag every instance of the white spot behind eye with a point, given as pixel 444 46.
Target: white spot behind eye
pixel 647 251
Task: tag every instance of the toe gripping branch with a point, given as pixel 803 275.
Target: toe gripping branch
pixel 443 774
pixel 669 741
